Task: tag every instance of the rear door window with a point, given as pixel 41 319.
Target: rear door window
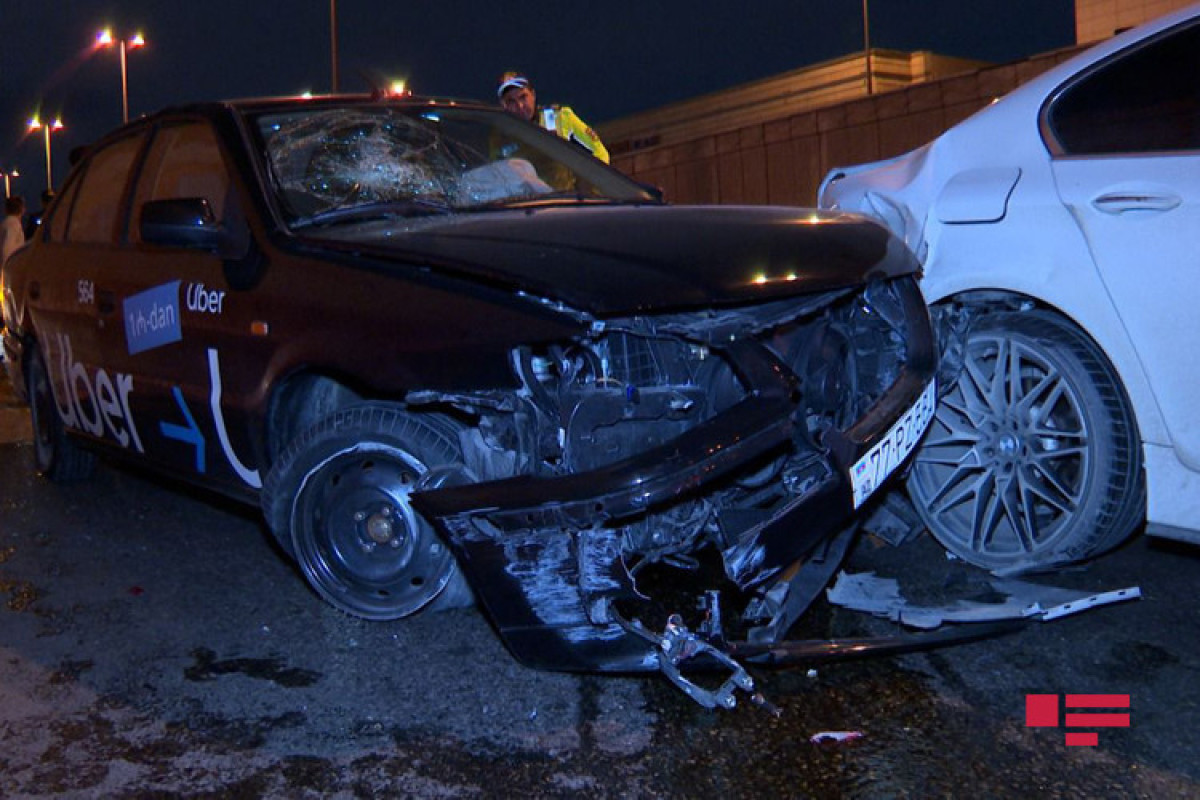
pixel 62 213
pixel 97 210
pixel 1146 100
pixel 184 162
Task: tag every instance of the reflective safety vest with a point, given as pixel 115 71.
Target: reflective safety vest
pixel 567 124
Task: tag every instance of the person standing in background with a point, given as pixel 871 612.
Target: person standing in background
pixel 12 232
pixel 517 97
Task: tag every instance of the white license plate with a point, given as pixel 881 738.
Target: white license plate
pixel 870 471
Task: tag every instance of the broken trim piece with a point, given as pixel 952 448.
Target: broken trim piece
pixel 1102 599
pixel 868 592
pixel 817 651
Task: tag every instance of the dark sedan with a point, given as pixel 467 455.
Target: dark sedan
pixel 450 353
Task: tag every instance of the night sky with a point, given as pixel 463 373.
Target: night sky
pixel 606 59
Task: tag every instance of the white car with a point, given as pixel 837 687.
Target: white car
pixel 1059 230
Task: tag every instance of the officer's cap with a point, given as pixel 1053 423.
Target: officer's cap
pixel 512 80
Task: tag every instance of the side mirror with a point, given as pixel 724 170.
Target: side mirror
pixel 182 222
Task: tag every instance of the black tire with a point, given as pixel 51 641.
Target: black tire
pixel 338 501
pixel 1033 459
pixel 55 455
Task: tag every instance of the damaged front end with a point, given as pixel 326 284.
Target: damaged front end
pixel 641 454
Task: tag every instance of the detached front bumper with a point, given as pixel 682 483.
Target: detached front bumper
pixel 544 555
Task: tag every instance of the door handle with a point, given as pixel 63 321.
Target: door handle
pixel 1120 202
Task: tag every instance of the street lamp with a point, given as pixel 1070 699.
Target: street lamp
pixel 867 45
pixel 8 176
pixel 46 128
pixel 105 39
pixel 333 45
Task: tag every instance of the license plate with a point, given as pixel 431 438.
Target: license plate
pixel 870 471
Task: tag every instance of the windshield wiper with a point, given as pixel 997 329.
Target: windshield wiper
pixel 549 199
pixel 377 210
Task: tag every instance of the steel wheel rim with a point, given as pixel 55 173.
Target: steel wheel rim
pixel 359 540
pixel 1007 462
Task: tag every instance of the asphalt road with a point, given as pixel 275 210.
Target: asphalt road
pixel 157 644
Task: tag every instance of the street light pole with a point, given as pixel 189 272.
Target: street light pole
pixel 867 47
pixel 125 88
pixel 8 176
pixel 333 44
pixel 105 39
pixel 47 128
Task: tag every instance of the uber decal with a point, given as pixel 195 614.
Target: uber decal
pixel 152 318
pixel 204 300
pixel 94 402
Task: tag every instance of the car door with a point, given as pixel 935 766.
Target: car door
pixel 1126 144
pixel 171 317
pixel 91 393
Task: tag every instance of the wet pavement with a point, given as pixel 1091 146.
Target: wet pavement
pixel 157 644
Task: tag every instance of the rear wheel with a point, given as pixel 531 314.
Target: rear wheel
pixel 1033 458
pixel 55 455
pixel 339 499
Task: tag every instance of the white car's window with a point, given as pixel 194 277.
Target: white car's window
pixel 1147 100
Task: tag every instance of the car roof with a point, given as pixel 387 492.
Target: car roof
pixel 280 103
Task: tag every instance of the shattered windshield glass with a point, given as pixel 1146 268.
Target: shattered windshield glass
pixel 356 162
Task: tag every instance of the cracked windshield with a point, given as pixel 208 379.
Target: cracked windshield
pixel 346 164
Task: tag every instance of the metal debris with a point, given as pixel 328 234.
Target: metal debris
pixel 835 736
pixel 677 644
pixel 881 596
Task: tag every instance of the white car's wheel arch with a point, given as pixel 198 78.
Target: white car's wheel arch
pixel 1065 284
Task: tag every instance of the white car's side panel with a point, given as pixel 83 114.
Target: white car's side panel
pixel 976 195
pixel 1173 501
pixel 1038 252
pixel 1110 242
pixel 1141 217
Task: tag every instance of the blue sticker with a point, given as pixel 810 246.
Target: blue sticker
pixel 189 434
pixel 152 318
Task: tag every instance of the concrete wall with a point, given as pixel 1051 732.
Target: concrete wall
pixel 773 140
pixel 781 159
pixel 780 96
pixel 1100 19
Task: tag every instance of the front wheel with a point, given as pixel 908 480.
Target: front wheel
pixel 339 499
pixel 1033 459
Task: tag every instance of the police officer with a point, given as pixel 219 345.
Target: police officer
pixel 518 97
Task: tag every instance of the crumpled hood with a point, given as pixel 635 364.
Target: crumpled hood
pixel 634 259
